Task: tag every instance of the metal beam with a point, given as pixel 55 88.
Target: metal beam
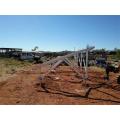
pixel 69 55
pixel 79 56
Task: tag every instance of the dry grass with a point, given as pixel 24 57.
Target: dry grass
pixel 9 66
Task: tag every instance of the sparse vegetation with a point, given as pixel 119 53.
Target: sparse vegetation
pixel 11 65
pixel 118 54
pixel 115 56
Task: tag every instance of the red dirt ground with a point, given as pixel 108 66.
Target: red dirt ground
pixel 61 87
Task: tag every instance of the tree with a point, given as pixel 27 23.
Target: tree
pixel 35 48
pixel 115 49
pixel 103 50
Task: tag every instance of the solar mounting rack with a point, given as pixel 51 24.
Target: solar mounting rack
pixel 80 61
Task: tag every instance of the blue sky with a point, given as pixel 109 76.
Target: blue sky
pixel 57 33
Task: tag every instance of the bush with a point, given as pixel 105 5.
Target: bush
pixel 118 54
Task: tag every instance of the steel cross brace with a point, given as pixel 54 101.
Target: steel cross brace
pixel 78 56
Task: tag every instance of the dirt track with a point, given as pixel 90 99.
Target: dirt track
pixel 60 87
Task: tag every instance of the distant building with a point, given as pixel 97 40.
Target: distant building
pixel 9 51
